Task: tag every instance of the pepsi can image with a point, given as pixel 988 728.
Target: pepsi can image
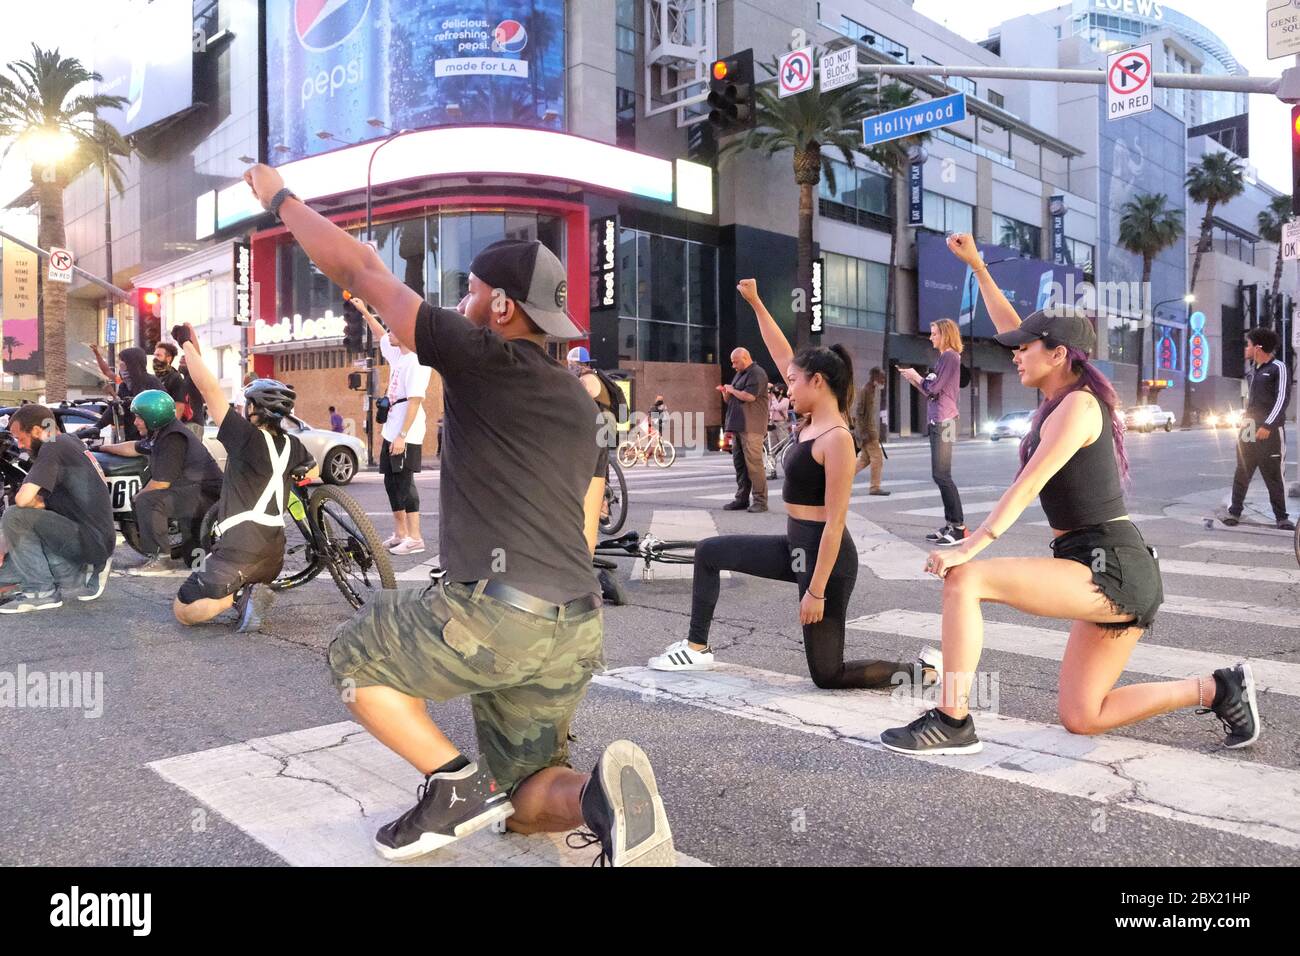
pixel 327 71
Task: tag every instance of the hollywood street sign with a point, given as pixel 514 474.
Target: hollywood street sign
pixel 914 119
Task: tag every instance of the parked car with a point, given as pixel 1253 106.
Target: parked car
pixel 1148 418
pixel 1010 425
pixel 1230 419
pixel 337 454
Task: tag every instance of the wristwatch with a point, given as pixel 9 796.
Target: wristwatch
pixel 278 200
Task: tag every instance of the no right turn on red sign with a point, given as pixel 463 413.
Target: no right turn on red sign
pixel 1129 88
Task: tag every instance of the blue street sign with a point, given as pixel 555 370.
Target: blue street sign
pixel 110 331
pixel 914 119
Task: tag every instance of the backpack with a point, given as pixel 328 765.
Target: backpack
pixel 619 408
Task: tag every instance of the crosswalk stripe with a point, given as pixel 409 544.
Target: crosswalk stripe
pixel 1242 546
pixel 315 797
pixel 674 489
pixel 887 556
pixel 1228 795
pixel 1236 572
pixel 1223 610
pixel 690 524
pixel 930 492
pixel 1132 517
pixel 978 508
pixel 1049 644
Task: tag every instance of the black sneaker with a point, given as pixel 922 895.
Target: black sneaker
pixel 1285 524
pixel 96 581
pixel 451 805
pixel 930 735
pixel 23 602
pixel 622 807
pixel 253 603
pixel 936 535
pixel 1231 520
pixel 1237 711
pixel 735 506
pixel 952 536
pixel 879 491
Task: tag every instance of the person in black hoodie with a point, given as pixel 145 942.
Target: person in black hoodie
pixel 134 378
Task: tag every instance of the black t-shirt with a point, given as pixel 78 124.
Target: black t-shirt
pixel 248 472
pixel 748 416
pixel 173 383
pixel 75 488
pixel 125 394
pixel 167 462
pixel 518 454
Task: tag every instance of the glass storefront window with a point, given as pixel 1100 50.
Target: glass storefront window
pixel 1016 234
pixel 668 300
pixel 855 292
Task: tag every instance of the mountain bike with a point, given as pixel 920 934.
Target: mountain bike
pixel 330 532
pixel 614 512
pixel 647 549
pixel 774 451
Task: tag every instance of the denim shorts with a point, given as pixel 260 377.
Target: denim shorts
pixel 1124 570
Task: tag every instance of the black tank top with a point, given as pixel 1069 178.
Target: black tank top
pixel 200 467
pixel 805 480
pixel 1086 491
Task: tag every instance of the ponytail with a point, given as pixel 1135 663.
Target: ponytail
pixel 835 365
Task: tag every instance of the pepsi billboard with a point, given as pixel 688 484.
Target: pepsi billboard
pixel 946 290
pixel 412 64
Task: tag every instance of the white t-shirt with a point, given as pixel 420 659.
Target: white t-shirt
pixel 407 379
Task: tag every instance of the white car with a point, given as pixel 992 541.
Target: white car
pixel 1225 420
pixel 1147 418
pixel 338 455
pixel 1011 425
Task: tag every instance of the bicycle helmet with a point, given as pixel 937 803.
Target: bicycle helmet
pixel 272 400
pixel 580 355
pixel 155 407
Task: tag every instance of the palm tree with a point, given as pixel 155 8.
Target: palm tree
pixel 1215 179
pixel 40 100
pixel 10 343
pixel 809 124
pixel 1271 221
pixel 1147 227
pixel 893 156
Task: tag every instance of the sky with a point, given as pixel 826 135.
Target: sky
pixel 72 25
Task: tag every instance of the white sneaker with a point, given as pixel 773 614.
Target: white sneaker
pixel 393 541
pixel 95 583
pixel 682 657
pixel 409 546
pixel 932 658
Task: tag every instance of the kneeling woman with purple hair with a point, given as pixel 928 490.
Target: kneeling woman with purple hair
pixel 1102 576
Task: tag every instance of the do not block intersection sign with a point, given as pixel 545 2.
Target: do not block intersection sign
pixel 1129 88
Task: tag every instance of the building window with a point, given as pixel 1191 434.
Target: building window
pixel 855 292
pixel 859 196
pixel 1080 254
pixel 963 84
pixel 1017 235
pixel 946 215
pixel 996 99
pixel 625 44
pixel 668 299
pixel 946 136
pixel 1123 338
pixel 873 38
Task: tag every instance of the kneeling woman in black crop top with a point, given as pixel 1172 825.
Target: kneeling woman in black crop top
pixel 1102 576
pixel 816 552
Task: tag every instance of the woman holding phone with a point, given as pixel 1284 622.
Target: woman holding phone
pixel 940 388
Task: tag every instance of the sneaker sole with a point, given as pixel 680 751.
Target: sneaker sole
pixel 28 608
pixel 657 848
pixel 1248 684
pixel 679 667
pixel 948 544
pixel 131 572
pixel 103 583
pixel 963 749
pixel 430 842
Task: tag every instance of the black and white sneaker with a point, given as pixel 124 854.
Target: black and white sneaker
pixel 1237 710
pixel 24 602
pixel 952 536
pixel 157 566
pixel 96 582
pixel 930 735
pixel 936 535
pixel 622 808
pixel 451 805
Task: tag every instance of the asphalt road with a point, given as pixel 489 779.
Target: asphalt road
pixel 755 764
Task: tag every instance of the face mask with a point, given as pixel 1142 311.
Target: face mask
pixel 160 367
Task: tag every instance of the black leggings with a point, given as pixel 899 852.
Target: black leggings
pixel 792 557
pixel 402 494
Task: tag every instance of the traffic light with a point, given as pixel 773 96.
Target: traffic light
pixel 148 315
pixel 354 326
pixel 1295 160
pixel 731 93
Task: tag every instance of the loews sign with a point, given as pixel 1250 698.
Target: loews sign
pixel 298 329
pixel 1146 9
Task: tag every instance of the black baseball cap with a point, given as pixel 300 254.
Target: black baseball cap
pixel 534 278
pixel 1064 325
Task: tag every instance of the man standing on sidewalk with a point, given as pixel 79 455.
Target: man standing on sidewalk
pixel 1261 441
pixel 867 425
pixel 747 420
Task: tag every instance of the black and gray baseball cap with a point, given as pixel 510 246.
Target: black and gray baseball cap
pixel 534 278
pixel 1064 325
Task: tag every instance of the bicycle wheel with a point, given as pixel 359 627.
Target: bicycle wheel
pixel 665 454
pixel 615 498
pixel 675 552
pixel 627 454
pixel 1297 543
pixel 349 545
pixel 300 564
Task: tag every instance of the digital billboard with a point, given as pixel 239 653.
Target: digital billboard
pixel 946 289
pixel 149 59
pixel 332 65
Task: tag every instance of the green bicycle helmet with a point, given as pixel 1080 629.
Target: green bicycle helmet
pixel 155 408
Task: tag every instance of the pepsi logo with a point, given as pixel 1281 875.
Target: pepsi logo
pixel 509 37
pixel 324 24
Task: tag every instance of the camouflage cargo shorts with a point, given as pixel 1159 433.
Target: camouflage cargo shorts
pixel 525 675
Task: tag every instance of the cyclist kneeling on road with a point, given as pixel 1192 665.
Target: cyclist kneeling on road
pixel 184 482
pixel 58 537
pixel 260 462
